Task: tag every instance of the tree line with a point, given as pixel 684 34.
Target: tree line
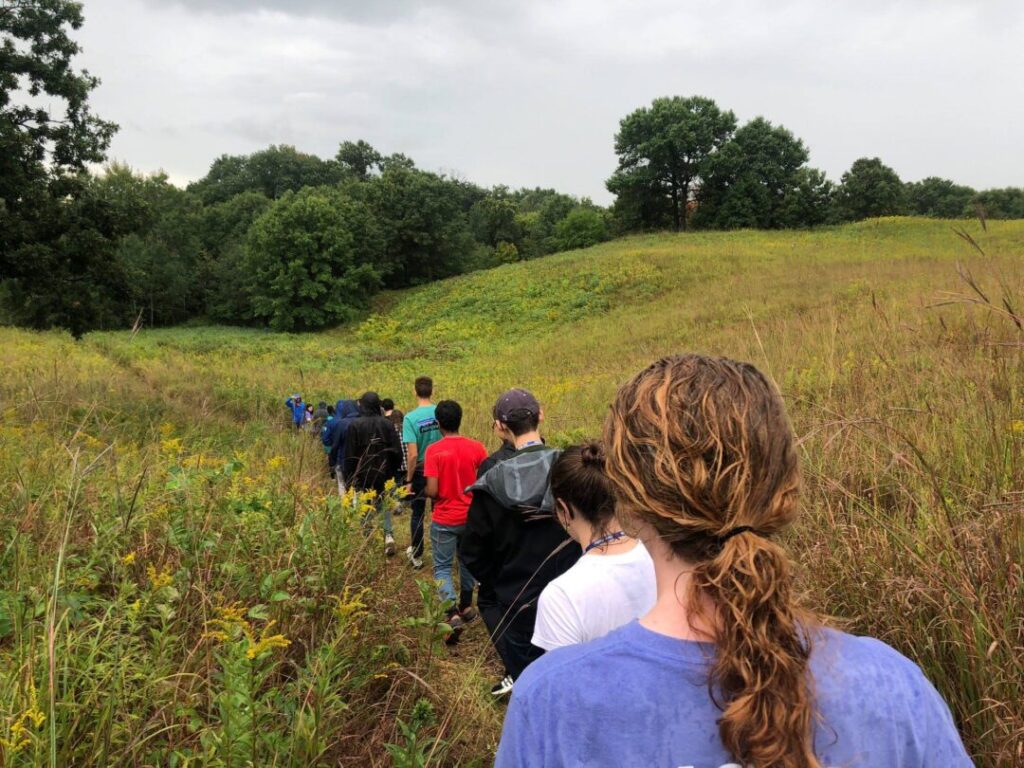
pixel 292 241
pixel 684 163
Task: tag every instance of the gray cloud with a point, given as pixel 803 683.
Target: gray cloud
pixel 531 93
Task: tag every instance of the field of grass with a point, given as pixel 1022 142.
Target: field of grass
pixel 179 586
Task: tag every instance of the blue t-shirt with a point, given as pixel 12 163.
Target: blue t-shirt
pixel 638 698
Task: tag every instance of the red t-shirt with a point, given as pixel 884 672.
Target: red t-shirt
pixel 453 460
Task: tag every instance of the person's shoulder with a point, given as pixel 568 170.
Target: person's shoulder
pixel 471 446
pixel 859 649
pixel 579 579
pixel 850 663
pixel 554 668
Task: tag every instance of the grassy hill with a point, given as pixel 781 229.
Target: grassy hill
pixel 161 516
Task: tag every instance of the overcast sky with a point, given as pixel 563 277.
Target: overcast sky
pixel 531 93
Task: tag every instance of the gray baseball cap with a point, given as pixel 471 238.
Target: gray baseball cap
pixel 515 400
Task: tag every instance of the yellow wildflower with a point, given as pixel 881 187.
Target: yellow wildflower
pixel 171 445
pixel 350 605
pixel 1017 425
pixel 20 736
pixel 159 579
pixel 166 429
pixel 231 623
pixel 128 559
pixel 275 463
pixel 267 642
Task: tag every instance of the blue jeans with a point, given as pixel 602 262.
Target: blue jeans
pixel 380 505
pixel 444 540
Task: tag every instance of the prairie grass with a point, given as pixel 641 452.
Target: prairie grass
pixel 179 586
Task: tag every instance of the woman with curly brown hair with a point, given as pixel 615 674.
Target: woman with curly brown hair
pixel 726 669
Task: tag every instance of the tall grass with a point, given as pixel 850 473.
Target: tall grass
pixel 178 585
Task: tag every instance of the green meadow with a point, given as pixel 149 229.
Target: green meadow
pixel 181 586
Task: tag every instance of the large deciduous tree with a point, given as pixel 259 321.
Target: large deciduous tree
pixel 870 188
pixel 748 181
pixel 314 259
pixel 421 217
pixel 664 151
pixel 46 239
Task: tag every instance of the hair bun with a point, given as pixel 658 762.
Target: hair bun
pixel 592 455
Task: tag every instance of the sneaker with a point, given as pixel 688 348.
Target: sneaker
pixel 389 545
pixel 503 687
pixel 414 561
pixel 455 621
pixel 469 615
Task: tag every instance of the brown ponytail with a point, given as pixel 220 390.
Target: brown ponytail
pixel 700 450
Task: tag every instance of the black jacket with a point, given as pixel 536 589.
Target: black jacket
pixel 512 543
pixel 507 451
pixel 372 452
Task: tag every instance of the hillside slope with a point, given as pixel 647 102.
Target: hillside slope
pixel 169 450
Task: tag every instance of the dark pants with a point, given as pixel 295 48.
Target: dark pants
pixel 511 633
pixel 419 510
pixel 490 611
pixel 516 648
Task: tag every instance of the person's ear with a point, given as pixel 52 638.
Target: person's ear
pixel 540 416
pixel 564 509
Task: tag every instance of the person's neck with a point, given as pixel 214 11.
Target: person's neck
pixel 423 401
pixel 672 614
pixel 445 433
pixel 529 438
pixel 586 534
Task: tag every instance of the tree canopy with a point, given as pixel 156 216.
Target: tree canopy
pixel 869 188
pixel 664 151
pixel 748 183
pixel 315 257
pixel 54 226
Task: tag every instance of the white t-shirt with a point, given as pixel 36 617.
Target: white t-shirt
pixel 598 594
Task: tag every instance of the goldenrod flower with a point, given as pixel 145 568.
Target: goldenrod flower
pixel 128 559
pixel 266 642
pixel 232 624
pixel 161 579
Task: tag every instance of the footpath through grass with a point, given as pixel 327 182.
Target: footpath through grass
pixel 180 586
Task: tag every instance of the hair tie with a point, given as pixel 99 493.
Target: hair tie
pixel 736 532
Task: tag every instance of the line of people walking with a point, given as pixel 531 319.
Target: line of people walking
pixel 634 587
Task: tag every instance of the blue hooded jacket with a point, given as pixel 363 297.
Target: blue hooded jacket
pixel 298 409
pixel 345 412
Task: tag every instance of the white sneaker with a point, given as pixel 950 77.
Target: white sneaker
pixel 389 545
pixel 503 687
pixel 414 561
